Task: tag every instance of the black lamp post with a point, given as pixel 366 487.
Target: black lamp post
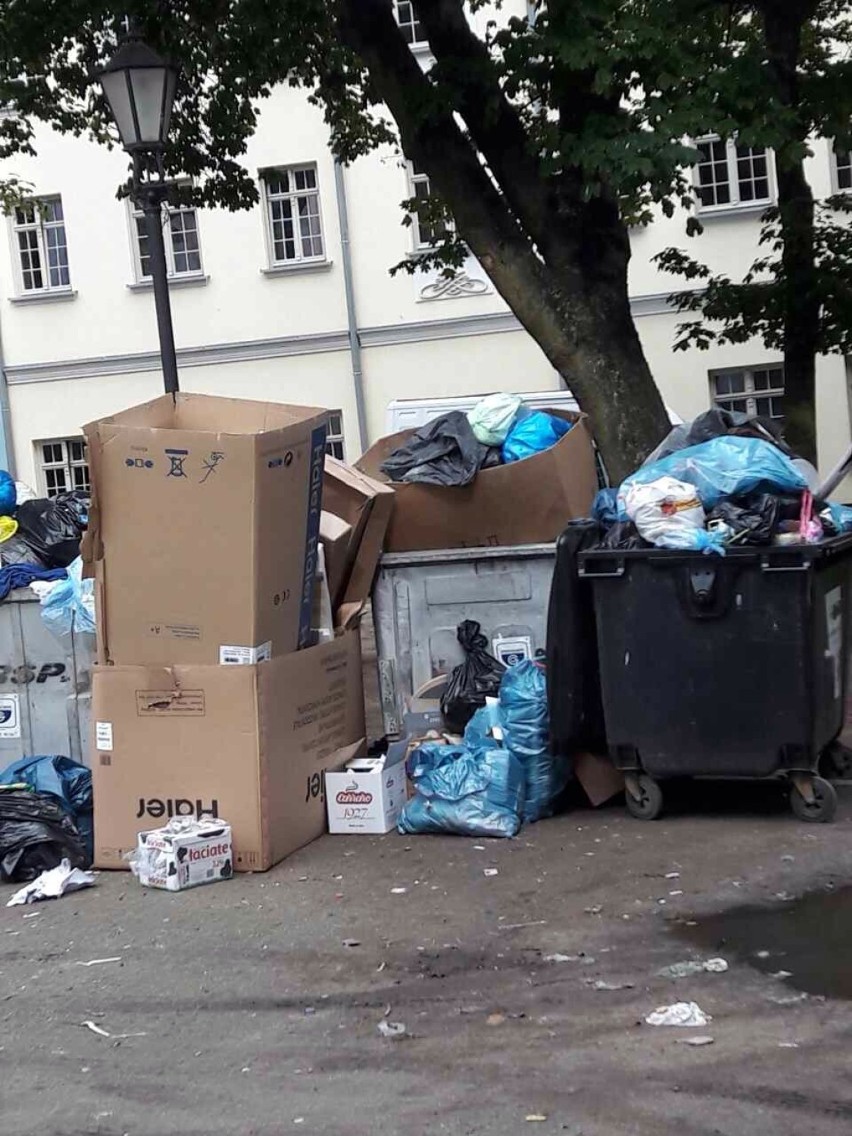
pixel 140 89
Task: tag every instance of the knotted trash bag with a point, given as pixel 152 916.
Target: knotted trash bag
pixel 492 418
pixel 473 680
pixel 524 719
pixel 54 526
pixel 466 790
pixel 443 452
pixel 36 834
pixel 66 780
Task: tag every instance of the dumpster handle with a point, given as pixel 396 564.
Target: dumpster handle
pixel 600 575
pixel 768 566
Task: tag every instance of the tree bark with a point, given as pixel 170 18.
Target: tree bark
pixel 560 263
pixel 783 22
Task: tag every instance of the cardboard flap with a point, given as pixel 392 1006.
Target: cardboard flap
pixel 366 505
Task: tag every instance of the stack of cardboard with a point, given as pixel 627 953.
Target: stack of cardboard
pixel 209 699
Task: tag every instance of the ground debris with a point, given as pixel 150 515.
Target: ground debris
pixel 679 1014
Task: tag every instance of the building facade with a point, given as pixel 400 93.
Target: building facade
pixel 262 310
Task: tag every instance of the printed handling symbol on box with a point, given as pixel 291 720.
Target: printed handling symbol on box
pixel 176 459
pixel 210 464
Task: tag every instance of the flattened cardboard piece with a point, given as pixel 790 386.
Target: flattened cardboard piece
pixel 525 502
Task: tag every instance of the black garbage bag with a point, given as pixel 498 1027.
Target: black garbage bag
pixel 443 452
pixel 54 526
pixel 623 535
pixel 473 680
pixel 754 518
pixel 16 550
pixel 35 835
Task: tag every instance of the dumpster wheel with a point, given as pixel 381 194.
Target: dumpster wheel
pixel 643 796
pixel 818 805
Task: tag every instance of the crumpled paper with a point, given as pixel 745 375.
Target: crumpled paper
pixel 679 1014
pixel 52 884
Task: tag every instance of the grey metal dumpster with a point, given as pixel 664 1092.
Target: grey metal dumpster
pixel 420 598
pixel 45 685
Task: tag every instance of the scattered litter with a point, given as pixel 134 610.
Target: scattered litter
pixel 782 974
pixel 90 1025
pixel 561 958
pixel 784 896
pixel 692 967
pixel 97 962
pixel 398 891
pixel 490 872
pixel 679 1014
pixel 788 1000
pixel 703 1040
pixel 520 926
pixel 762 955
pixel 600 984
pixel 535 1118
pixel 381 967
pixel 393 1030
pixel 675 893
pixel 52 884
pixel 672 876
pixel 596 910
pixel 479 847
pixel 495 1019
pixel 788 1045
pixel 185 853
pixel 352 942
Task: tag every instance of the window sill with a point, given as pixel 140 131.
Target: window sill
pixel 187 281
pixel 728 211
pixel 302 266
pixel 57 297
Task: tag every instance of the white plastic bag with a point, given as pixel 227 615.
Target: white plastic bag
pixel 668 513
pixel 492 418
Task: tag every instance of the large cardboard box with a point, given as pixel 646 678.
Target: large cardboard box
pixel 366 506
pixel 248 744
pixel 525 502
pixel 204 529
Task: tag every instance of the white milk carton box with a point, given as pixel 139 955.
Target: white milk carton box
pixel 184 853
pixel 368 795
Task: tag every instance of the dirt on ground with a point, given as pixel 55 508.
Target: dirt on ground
pixel 522 972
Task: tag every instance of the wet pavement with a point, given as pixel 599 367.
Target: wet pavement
pixel 253 1007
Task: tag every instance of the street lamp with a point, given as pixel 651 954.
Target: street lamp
pixel 140 88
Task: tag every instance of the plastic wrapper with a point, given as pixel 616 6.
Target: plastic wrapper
pixel 66 780
pixel 524 720
pixel 727 466
pixel 54 526
pixel 473 680
pixel 668 513
pixel 533 434
pixel 492 418
pixel 443 452
pixel 752 520
pixel 464 790
pixel 36 834
pixel 70 605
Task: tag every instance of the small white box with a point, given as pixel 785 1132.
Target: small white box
pixel 367 796
pixel 184 853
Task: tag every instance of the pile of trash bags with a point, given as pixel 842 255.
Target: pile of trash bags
pixel 45 816
pixel 721 481
pixel 39 536
pixel 451 450
pixel 500 775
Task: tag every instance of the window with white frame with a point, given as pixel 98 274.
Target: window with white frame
pixel 293 216
pixel 62 466
pixel 180 237
pixel 425 234
pixel 334 442
pixel 842 168
pixel 751 390
pixel 729 175
pixel 409 25
pixel 41 245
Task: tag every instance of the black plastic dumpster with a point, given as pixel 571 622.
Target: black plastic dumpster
pixel 729 666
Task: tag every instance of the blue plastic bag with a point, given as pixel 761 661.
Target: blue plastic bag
pixel 8 494
pixel 67 780
pixel 532 434
pixel 840 516
pixel 71 604
pixel 727 466
pixel 464 790
pixel 524 718
pixel 605 507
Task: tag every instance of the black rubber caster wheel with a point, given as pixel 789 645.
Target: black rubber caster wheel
pixel 821 809
pixel 649 804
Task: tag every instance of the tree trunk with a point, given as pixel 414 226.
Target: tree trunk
pixel 566 281
pixel 783 23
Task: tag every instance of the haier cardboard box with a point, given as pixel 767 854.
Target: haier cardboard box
pixel 525 502
pixel 248 744
pixel 204 528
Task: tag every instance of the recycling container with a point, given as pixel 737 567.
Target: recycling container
pixel 723 666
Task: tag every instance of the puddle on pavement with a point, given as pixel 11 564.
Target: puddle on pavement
pixel 810 937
